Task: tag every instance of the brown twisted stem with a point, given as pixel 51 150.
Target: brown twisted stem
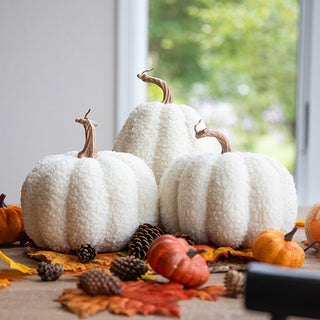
pixel 167 93
pixel 90 147
pixel 289 235
pixel 311 245
pixel 223 140
pixel 192 252
pixel 2 204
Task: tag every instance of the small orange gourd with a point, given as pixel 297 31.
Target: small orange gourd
pixel 276 247
pixel 312 226
pixel 176 260
pixel 11 223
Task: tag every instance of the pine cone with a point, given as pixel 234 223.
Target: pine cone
pixel 188 237
pixel 128 268
pixel 142 239
pixel 235 283
pixel 96 282
pixel 49 272
pixel 86 253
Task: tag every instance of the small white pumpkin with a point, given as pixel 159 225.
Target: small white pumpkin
pixel 160 132
pixel 97 198
pixel 226 199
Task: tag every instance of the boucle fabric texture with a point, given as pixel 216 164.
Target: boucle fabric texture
pixel 227 199
pixel 159 133
pixel 67 201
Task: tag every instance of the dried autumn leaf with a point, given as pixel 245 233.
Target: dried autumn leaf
pixel 12 274
pixel 15 265
pixel 105 259
pixel 76 301
pixel 212 254
pixel 4 283
pixel 211 293
pixel 9 275
pixel 135 299
pixel 70 262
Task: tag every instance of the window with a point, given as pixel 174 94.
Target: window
pixel 235 62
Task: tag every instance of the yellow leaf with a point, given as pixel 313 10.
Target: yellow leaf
pixel 105 259
pixel 212 254
pixel 71 263
pixel 11 274
pixel 16 265
pixel 148 276
pixel 122 253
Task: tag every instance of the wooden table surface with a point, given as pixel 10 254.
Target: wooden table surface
pixel 33 299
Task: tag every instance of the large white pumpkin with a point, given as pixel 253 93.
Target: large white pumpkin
pixel 160 132
pixel 227 198
pixel 68 201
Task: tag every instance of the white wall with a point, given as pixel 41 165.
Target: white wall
pixel 57 59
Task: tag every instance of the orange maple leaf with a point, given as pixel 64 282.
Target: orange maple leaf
pixel 135 299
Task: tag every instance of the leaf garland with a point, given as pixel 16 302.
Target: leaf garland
pixel 135 299
pixel 72 265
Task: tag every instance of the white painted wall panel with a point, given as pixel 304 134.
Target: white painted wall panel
pixel 57 59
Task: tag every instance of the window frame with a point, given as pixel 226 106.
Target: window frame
pixel 307 109
pixel 132 54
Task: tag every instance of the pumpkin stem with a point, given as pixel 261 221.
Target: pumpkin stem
pixel 192 252
pixel 311 245
pixel 289 236
pixel 167 93
pixel 90 147
pixel 2 204
pixel 223 140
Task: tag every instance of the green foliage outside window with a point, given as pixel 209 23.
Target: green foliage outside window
pixel 235 62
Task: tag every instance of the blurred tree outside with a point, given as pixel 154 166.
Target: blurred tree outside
pixel 235 62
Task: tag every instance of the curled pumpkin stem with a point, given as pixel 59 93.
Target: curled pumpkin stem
pixel 192 252
pixel 223 140
pixel 167 93
pixel 2 204
pixel 289 236
pixel 90 147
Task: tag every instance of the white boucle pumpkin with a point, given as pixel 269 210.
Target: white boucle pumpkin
pixel 228 198
pixel 160 132
pixel 68 201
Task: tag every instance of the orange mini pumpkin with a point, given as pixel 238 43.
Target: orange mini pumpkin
pixel 312 226
pixel 11 224
pixel 176 260
pixel 276 247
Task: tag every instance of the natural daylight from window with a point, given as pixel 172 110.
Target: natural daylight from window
pixel 235 62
